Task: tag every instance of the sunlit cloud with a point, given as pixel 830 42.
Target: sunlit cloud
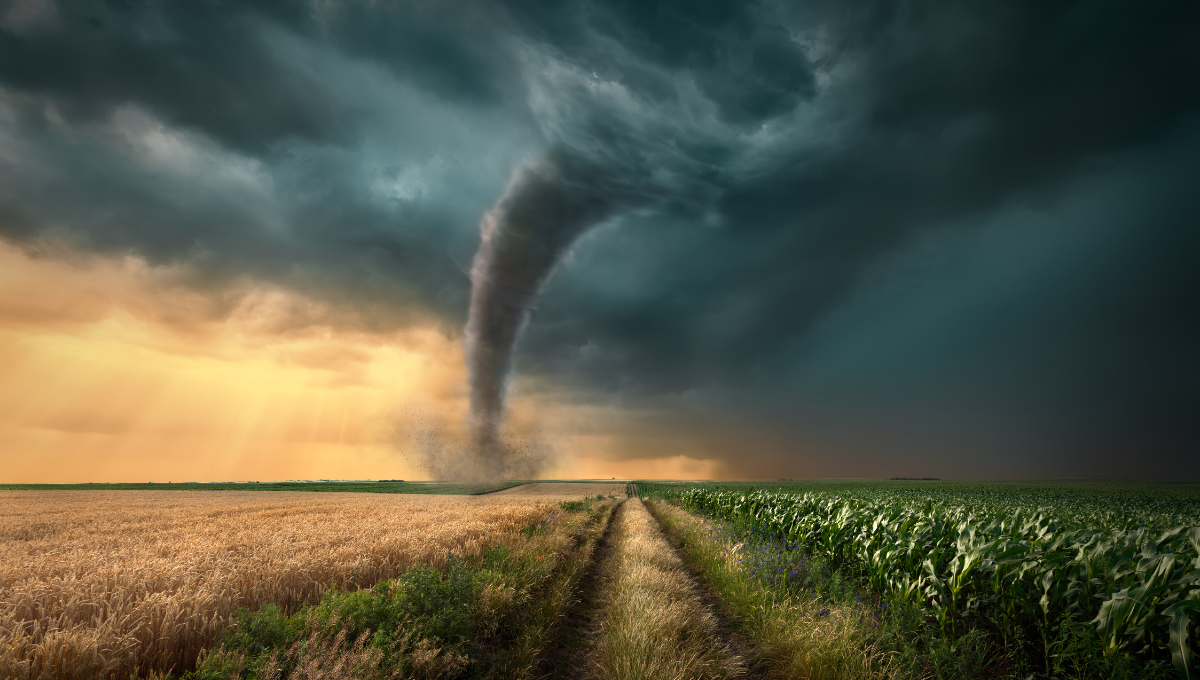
pixel 105 377
pixel 108 373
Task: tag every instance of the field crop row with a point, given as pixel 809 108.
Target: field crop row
pixel 1021 571
pixel 1070 504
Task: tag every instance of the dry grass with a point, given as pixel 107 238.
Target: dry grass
pixel 563 490
pixel 654 626
pixel 791 636
pixel 109 584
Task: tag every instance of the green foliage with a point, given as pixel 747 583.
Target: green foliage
pixel 424 601
pixel 423 606
pixel 1157 505
pixel 1077 585
pixel 257 633
pixel 580 506
pixel 437 605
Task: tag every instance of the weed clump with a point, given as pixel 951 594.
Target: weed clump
pixel 420 624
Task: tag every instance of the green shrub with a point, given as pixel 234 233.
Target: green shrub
pixel 424 601
pixel 422 609
pixel 436 605
pixel 259 632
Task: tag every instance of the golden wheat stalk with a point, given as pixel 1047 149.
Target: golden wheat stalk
pixel 130 583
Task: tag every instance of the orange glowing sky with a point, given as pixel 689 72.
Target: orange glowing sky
pixel 111 371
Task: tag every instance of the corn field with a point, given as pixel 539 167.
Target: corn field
pixel 124 584
pixel 1015 563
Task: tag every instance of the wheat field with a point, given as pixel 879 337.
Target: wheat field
pixel 125 583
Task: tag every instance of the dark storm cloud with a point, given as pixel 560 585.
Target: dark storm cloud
pixel 197 65
pixel 212 66
pixel 273 141
pixel 814 183
pixel 934 118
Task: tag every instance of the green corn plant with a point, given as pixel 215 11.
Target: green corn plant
pixel 969 556
pixel 1193 536
pixel 1182 615
pixel 937 594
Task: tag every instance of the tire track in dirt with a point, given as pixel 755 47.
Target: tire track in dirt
pixel 567 655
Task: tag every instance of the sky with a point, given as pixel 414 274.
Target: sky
pixel 837 240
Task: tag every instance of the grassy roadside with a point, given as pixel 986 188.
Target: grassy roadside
pixel 653 625
pixel 488 615
pixel 791 634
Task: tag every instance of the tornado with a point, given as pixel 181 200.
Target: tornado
pixel 547 205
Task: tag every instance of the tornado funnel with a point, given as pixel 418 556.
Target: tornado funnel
pixel 548 203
